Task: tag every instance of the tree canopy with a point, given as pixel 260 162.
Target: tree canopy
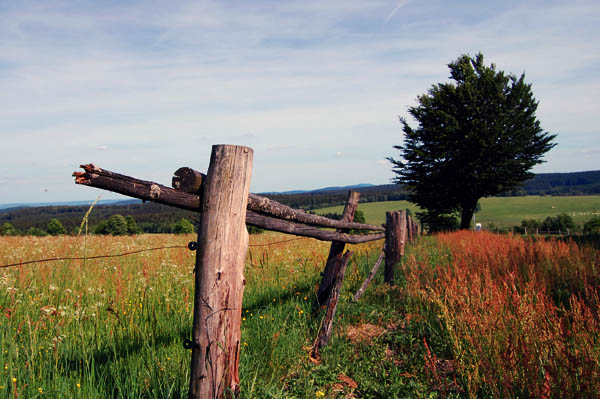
pixel 183 226
pixel 477 136
pixel 55 227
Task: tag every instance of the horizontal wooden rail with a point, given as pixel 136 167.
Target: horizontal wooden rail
pixel 269 207
pixel 284 226
pixel 150 191
pixel 130 186
pixel 190 180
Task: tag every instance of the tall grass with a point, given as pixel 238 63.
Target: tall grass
pixel 114 328
pixel 473 315
pixel 103 328
pixel 521 316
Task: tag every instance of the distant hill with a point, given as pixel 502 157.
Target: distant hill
pixel 15 206
pixel 319 190
pixel 577 183
pixel 332 196
pixel 156 218
pixel 559 184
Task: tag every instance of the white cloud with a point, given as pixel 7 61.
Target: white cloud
pixel 158 83
pixel 278 147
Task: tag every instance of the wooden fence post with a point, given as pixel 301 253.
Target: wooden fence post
pixel 409 227
pixel 336 251
pixel 219 281
pixel 395 235
pixel 365 283
pixel 327 323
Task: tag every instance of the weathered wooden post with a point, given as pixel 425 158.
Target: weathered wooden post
pixel 409 227
pixel 365 283
pixel 336 251
pixel 395 235
pixel 219 282
pixel 327 323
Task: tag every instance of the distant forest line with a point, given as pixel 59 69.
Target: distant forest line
pixel 557 184
pixel 156 218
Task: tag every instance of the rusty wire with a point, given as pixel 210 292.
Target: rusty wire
pixel 90 257
pixel 129 253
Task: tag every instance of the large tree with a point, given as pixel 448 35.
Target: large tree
pixel 477 136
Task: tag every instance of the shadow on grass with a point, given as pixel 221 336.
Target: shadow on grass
pixel 108 363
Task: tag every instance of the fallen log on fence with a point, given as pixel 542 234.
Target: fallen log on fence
pixel 190 180
pixel 150 191
pixel 367 281
pixel 336 252
pixel 130 186
pixel 327 323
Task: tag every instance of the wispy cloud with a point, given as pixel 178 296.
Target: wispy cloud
pixel 278 147
pixel 162 82
pixel 394 11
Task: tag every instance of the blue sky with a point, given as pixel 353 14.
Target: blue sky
pixel 314 87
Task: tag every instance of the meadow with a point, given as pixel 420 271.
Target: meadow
pixel 472 315
pixel 503 212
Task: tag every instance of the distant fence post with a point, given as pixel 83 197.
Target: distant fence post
pixel 395 235
pixel 336 251
pixel 219 281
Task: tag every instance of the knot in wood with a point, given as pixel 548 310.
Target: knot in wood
pixel 154 191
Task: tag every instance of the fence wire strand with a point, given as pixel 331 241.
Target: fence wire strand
pixel 131 253
pixel 91 257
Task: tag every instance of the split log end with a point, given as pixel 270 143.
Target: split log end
pixel 90 168
pixel 86 176
pixel 81 177
pixel 187 180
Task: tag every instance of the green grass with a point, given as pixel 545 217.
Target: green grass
pixel 501 211
pixel 374 211
pixel 114 328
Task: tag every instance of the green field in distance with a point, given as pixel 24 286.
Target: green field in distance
pixel 502 211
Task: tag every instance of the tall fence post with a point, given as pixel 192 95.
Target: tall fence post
pixel 395 235
pixel 336 251
pixel 219 281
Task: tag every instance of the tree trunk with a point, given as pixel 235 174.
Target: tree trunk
pixel 468 210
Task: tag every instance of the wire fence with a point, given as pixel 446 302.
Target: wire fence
pixel 21 263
